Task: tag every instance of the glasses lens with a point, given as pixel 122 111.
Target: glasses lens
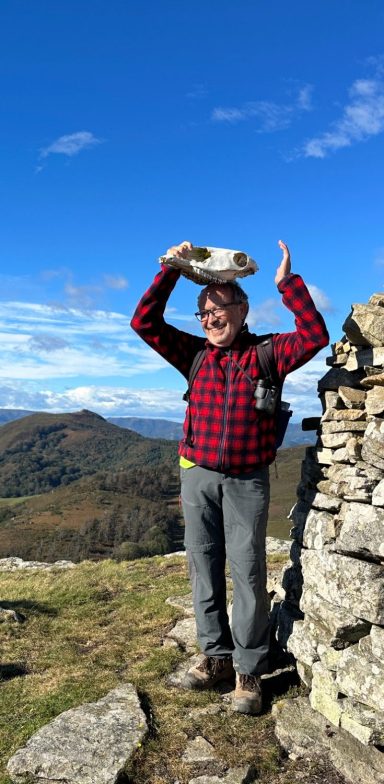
pixel 202 315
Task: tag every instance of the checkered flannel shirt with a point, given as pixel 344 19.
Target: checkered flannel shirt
pixel 226 433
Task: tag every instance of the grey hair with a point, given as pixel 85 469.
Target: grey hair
pixel 238 294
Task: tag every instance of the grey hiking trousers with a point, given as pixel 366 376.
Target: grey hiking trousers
pixel 226 518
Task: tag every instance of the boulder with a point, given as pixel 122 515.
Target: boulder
pixel 362 531
pixel 86 745
pixel 355 585
pixel 342 627
pixel 304 732
pixel 361 676
pixel 365 325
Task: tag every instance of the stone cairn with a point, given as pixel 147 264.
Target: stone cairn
pixel 332 616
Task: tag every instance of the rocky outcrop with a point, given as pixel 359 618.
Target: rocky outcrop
pixel 14 564
pixel 332 615
pixel 86 745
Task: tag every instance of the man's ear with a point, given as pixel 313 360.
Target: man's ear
pixel 244 310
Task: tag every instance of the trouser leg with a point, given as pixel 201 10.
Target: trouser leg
pixel 201 498
pixel 245 512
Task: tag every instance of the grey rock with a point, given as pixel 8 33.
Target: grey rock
pixel 365 724
pixel 324 694
pixel 361 676
pixel 184 603
pixel 13 564
pixel 358 488
pixel 342 627
pixel 232 776
pixel 326 502
pixel 352 398
pixel 375 401
pixel 342 427
pixel 199 750
pixel 184 633
pixel 325 456
pixel 339 377
pixel 365 325
pixel 335 440
pixel 85 745
pixel 378 494
pixel 373 443
pixel 362 530
pixel 331 399
pixel 376 299
pixel 355 585
pixel 367 356
pixel 344 415
pixel 377 642
pixel 307 733
pixel 320 529
pixel 302 643
pixel 373 378
pixel 11 615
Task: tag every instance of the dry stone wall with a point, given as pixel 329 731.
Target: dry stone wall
pixel 332 616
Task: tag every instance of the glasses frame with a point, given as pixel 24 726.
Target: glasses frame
pixel 203 315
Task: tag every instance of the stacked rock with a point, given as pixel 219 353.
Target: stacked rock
pixel 335 629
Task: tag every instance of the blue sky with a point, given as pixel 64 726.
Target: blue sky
pixel 129 125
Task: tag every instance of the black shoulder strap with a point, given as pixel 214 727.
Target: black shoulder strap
pixel 195 367
pixel 267 359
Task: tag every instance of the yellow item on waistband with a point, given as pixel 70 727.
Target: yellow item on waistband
pixel 184 463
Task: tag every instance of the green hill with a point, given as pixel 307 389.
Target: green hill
pixel 43 451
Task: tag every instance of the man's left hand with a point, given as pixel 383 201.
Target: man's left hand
pixel 285 266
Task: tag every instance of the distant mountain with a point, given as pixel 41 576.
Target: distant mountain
pixel 151 428
pixel 9 414
pixel 43 451
pixel 165 428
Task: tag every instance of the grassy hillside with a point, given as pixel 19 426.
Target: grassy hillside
pixel 43 451
pixel 125 513
pixel 94 627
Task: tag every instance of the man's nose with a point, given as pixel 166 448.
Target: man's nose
pixel 212 317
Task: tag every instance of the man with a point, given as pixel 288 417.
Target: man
pixel 227 448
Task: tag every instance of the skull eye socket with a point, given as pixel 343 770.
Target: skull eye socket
pixel 240 259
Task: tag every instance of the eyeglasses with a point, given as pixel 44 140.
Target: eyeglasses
pixel 203 315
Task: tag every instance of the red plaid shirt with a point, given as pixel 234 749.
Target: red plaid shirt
pixel 227 434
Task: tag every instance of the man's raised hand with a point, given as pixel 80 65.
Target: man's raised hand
pixel 180 250
pixel 285 266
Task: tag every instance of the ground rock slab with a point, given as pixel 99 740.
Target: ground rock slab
pixel 85 745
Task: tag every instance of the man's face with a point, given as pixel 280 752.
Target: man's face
pixel 222 327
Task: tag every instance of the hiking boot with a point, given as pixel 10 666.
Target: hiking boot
pixel 211 670
pixel 247 697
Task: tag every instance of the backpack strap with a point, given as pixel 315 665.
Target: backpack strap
pixel 195 367
pixel 266 358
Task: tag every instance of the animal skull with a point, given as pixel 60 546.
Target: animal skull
pixel 206 265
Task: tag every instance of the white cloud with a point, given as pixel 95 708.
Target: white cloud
pixel 271 115
pixel 115 282
pixel 362 117
pixel 71 144
pixel 104 400
pixel 43 342
pixel 265 314
pixel 320 299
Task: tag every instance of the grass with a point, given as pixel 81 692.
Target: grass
pixel 14 501
pixel 91 628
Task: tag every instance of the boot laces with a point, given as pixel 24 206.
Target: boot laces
pixel 212 665
pixel 250 682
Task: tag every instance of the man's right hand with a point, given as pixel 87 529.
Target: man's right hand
pixel 180 250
